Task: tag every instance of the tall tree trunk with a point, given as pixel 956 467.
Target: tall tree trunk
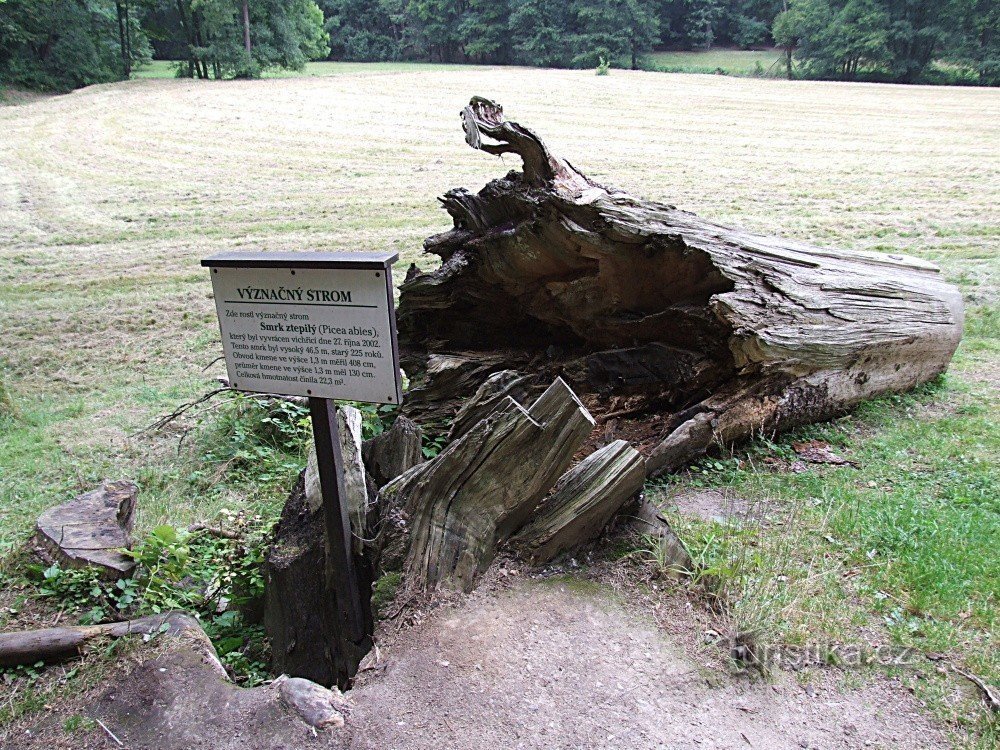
pixel 121 38
pixel 246 25
pixel 128 41
pixel 188 27
pixel 683 331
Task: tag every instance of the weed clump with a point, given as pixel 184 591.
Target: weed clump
pixel 213 574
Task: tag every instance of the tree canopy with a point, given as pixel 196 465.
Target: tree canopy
pixel 61 44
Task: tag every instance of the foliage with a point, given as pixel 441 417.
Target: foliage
pixel 64 44
pixel 281 34
pixel 60 44
pixel 56 45
pixel 603 66
pixel 246 438
pixel 892 40
pixel 207 574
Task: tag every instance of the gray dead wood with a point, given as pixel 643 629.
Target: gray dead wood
pixel 484 486
pixel 394 451
pixel 53 644
pixel 494 390
pixel 91 529
pixel 317 706
pixel 670 554
pixel 698 332
pixel 583 502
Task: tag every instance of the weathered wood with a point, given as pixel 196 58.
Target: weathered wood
pixel 317 706
pixel 307 637
pixel 91 529
pixel 671 555
pixel 722 332
pixel 583 502
pixel 393 452
pixel 355 486
pixel 436 391
pixel 484 486
pixel 53 644
pixel 487 397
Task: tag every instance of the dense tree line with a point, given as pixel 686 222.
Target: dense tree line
pixel 63 44
pixel 68 43
pixel 891 40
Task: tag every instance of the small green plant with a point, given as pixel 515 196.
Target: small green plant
pixel 603 66
pixel 253 439
pixel 78 723
pixel 205 573
pixel 435 438
pixel 384 592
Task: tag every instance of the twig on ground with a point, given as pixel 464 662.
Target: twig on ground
pixel 162 422
pixel 989 692
pixel 213 531
pixel 110 733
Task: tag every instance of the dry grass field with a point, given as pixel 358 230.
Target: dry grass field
pixel 109 197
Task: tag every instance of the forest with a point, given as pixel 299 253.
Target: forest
pixel 64 44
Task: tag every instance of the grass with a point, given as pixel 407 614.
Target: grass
pixel 112 194
pixel 899 549
pixel 168 69
pixel 734 62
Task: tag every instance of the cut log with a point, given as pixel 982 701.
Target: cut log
pixel 583 502
pixel 91 529
pixel 720 332
pixel 484 486
pixel 393 452
pixel 54 644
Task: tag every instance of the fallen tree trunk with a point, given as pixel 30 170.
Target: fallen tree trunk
pixel 52 644
pixel 697 332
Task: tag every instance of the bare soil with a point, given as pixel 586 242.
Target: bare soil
pixel 558 663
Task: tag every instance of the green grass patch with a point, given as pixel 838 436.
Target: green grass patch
pixel 732 62
pixel 904 542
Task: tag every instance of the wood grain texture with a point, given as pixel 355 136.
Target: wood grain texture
pixel 582 502
pixel 639 302
pixel 484 486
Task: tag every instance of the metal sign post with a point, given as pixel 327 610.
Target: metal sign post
pixel 323 326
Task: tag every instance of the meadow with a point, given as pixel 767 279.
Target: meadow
pixel 110 196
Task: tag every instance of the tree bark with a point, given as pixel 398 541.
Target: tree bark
pixel 53 644
pixel 246 26
pixel 699 332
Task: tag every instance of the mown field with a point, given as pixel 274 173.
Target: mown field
pixel 109 197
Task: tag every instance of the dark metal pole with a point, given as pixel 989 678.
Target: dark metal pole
pixel 341 575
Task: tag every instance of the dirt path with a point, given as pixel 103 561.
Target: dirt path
pixel 550 664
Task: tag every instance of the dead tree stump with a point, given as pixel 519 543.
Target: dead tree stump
pixel 299 613
pixel 91 529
